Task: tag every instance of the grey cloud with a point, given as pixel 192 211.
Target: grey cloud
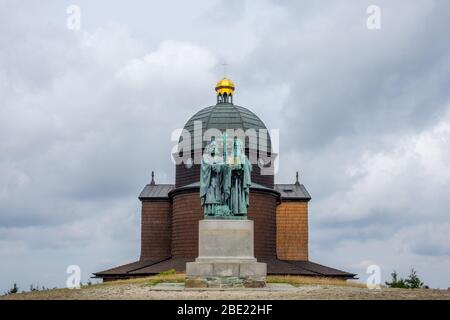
pixel 349 82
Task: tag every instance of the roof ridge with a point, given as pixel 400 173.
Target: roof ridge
pixel 240 115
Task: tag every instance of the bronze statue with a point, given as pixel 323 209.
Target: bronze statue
pixel 225 181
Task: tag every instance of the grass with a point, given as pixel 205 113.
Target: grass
pixel 317 288
pixel 151 280
pixel 172 276
pixel 293 280
pixel 308 281
pixel 166 278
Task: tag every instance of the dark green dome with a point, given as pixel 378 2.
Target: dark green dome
pixel 223 116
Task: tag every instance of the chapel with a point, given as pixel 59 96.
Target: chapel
pixel 171 212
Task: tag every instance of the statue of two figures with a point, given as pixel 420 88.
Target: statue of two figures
pixel 225 180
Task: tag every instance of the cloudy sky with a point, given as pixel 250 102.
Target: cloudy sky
pixel 86 115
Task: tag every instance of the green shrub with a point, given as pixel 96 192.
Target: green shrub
pixel 13 290
pixel 412 282
pixel 396 282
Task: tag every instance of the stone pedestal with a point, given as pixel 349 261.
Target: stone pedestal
pixel 226 257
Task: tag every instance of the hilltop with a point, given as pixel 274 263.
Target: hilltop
pixel 302 288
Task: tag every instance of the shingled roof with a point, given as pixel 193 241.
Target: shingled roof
pixel 290 192
pixel 127 268
pixel 156 191
pixel 225 116
pixel 274 267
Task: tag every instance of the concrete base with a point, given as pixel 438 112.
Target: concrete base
pixel 226 257
pixel 218 274
pixel 223 282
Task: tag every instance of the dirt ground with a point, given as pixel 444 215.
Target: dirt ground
pixel 144 290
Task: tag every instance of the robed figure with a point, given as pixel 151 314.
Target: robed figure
pixel 212 176
pixel 240 183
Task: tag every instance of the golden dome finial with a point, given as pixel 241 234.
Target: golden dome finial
pixel 225 86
